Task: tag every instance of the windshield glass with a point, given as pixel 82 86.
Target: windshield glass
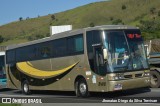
pixel 125 52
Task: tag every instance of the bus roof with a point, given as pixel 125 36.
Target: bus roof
pixel 70 33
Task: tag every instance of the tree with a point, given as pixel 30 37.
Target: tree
pixel 153 10
pixel 1 39
pixel 111 18
pixel 53 17
pixel 91 24
pixel 117 21
pixel 124 7
pixel 20 18
pixel 159 13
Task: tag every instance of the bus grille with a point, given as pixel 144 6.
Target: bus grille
pixel 127 76
pixel 138 75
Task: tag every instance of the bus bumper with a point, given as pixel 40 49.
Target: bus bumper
pixel 3 86
pixel 129 84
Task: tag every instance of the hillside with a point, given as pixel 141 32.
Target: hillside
pixel 142 13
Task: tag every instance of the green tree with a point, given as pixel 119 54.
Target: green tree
pixel 152 10
pixel 159 13
pixel 117 21
pixel 1 39
pixel 91 24
pixel 53 17
pixel 111 18
pixel 20 18
pixel 124 7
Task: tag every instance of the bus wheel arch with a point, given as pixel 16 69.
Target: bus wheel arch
pixel 81 87
pixel 25 86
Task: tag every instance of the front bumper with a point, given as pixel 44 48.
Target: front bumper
pixel 3 86
pixel 129 84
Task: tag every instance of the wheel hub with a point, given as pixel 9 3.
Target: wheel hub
pixel 83 88
pixel 25 88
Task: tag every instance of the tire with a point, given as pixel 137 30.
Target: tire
pixel 81 88
pixel 25 87
pixel 155 79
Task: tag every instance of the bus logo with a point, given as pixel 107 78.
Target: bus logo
pixel 6 100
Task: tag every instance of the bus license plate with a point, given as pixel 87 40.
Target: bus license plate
pixel 118 87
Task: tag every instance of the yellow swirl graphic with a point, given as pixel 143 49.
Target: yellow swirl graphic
pixel 25 68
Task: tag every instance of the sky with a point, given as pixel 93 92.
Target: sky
pixel 12 10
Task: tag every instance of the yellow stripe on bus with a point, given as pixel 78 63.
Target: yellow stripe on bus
pixel 37 73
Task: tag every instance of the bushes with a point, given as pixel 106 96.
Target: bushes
pixel 1 39
pixel 91 24
pixel 117 21
pixel 53 17
pixel 150 29
pixel 159 13
pixel 38 36
pixel 149 26
pixel 20 18
pixel 124 7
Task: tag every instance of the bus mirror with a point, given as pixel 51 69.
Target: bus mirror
pixel 105 54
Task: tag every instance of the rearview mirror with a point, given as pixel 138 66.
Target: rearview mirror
pixel 105 54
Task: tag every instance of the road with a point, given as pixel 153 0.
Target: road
pixel 69 97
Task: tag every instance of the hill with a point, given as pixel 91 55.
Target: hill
pixel 142 13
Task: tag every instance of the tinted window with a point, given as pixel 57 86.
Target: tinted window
pixel 10 56
pixel 45 50
pixel 79 44
pixel 93 37
pixel 75 44
pixel 59 47
pixel 70 45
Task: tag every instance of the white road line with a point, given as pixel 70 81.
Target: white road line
pixel 148 104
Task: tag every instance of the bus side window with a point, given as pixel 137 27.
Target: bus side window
pixel 75 44
pixel 59 46
pixel 10 56
pixel 79 43
pixel 70 45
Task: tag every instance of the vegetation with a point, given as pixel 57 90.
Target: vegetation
pixel 91 24
pixel 1 39
pixel 2 104
pixel 124 7
pixel 20 18
pixel 53 17
pixel 142 13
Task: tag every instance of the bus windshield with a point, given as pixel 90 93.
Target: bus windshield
pixel 125 50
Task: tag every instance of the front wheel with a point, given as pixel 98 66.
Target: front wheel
pixel 25 87
pixel 81 88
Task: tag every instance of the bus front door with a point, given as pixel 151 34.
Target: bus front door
pixel 98 60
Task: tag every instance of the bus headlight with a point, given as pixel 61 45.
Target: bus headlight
pixel 116 77
pixel 147 74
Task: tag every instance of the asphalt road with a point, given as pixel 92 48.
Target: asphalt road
pixel 69 98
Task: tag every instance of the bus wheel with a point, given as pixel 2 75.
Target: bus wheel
pixel 25 87
pixel 81 88
pixel 155 79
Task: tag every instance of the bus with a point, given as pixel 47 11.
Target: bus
pixel 103 58
pixel 3 80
